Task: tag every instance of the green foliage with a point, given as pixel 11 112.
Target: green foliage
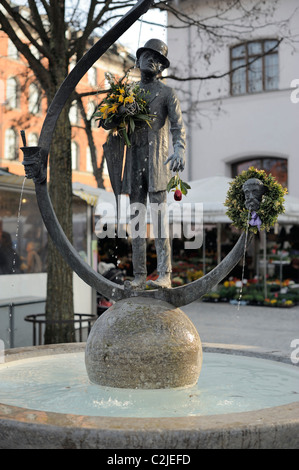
pixel 271 206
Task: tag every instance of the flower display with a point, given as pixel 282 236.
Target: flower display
pixel 178 186
pixel 271 206
pixel 124 108
pixel 254 293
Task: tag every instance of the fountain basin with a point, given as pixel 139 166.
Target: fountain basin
pixel 274 427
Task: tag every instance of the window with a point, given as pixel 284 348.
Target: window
pixel 11 145
pixel 89 166
pixel 92 76
pixel 24 253
pixel 278 167
pixel 32 140
pixel 254 67
pixel 74 114
pixel 34 51
pixel 27 252
pixel 12 51
pixel 12 93
pixel 34 99
pixel 75 156
pixel 91 108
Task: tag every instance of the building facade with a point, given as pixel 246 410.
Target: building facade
pixel 248 116
pixel 22 106
pixel 23 237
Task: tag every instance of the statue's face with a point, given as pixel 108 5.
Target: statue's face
pixel 150 62
pixel 253 192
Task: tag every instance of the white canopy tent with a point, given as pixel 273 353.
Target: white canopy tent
pixel 210 192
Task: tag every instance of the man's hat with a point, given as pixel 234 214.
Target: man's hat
pixel 158 46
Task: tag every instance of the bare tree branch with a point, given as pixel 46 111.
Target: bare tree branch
pixel 224 74
pixel 36 65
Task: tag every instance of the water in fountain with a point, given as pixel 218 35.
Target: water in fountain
pixel 228 383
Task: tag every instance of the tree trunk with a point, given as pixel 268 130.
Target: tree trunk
pixel 59 305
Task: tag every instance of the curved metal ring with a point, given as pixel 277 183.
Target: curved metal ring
pixel 176 296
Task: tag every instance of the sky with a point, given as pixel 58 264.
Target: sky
pixel 140 32
pixel 137 35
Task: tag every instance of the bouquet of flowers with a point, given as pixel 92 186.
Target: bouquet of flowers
pixel 124 108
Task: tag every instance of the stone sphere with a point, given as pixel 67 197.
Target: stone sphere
pixel 143 343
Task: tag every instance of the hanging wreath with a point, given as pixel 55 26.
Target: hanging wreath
pixel 272 203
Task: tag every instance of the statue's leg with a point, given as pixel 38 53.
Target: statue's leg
pixel 138 199
pixel 158 204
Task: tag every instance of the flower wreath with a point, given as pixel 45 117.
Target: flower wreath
pixel 271 206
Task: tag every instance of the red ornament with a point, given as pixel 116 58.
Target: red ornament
pixel 178 195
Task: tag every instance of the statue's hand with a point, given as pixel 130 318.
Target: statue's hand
pixel 177 160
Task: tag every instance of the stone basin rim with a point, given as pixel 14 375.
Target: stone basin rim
pixel 267 420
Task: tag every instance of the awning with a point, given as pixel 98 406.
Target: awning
pixel 14 181
pixel 89 194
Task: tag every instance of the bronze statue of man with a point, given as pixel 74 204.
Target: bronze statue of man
pixel 146 172
pixel 254 190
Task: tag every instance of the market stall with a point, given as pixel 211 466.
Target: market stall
pixel 271 254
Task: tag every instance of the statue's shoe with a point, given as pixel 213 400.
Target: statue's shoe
pixel 138 283
pixel 162 282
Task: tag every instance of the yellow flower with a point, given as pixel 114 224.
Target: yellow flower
pixel 129 99
pixel 120 98
pixel 121 91
pixel 113 108
pixel 104 107
pixel 104 110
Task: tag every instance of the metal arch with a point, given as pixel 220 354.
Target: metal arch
pixel 176 296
